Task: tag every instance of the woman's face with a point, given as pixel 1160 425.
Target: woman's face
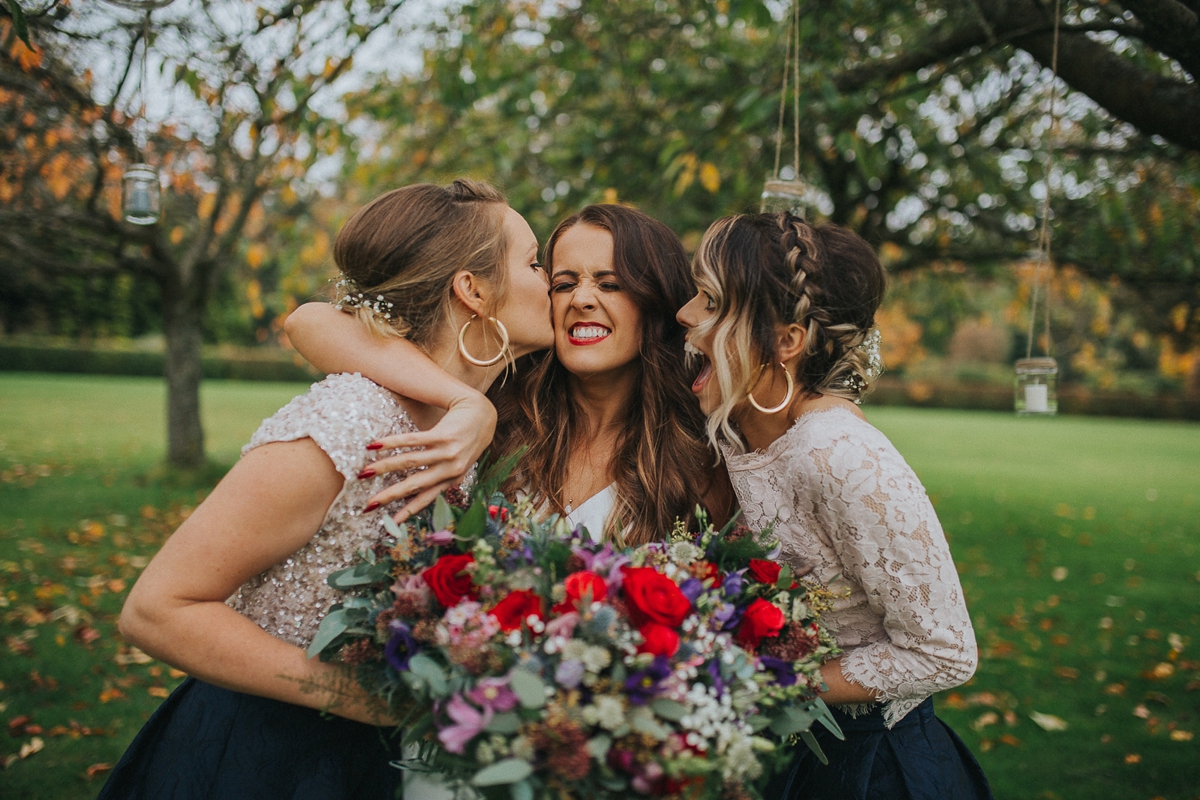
pixel 700 309
pixel 525 311
pixel 597 326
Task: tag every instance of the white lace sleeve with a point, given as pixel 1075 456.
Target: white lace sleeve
pixel 889 541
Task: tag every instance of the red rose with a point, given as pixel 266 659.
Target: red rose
pixel 704 570
pixel 653 597
pixel 659 640
pixel 512 611
pixel 498 512
pixel 761 620
pixel 766 571
pixel 578 585
pixel 449 580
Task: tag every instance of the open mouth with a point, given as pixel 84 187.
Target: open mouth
pixel 582 333
pixel 706 368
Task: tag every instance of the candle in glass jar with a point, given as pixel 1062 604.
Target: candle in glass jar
pixel 1036 398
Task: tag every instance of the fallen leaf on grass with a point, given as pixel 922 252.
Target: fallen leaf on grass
pixel 1133 758
pixel 86 635
pixel 158 691
pixel 1048 722
pixel 1010 740
pixel 96 769
pixel 131 655
pixel 1159 671
pixel 34 745
pixel 1182 736
pixel 8 760
pixel 1141 712
pixel 176 673
pixel 1070 673
pixel 1115 689
pixel 989 718
pixel 111 694
pixel 16 725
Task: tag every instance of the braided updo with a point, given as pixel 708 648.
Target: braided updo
pixel 767 270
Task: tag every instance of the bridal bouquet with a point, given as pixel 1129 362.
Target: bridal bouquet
pixel 528 661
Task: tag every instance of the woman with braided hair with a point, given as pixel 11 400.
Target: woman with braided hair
pixel 783 323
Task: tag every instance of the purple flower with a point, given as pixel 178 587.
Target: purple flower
pixel 784 674
pixel 469 723
pixel 714 672
pixel 733 583
pixel 727 616
pixel 644 684
pixel 439 538
pixel 401 646
pixel 569 673
pixel 692 588
pixel 493 694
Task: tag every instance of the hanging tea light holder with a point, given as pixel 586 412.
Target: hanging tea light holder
pixel 784 191
pixel 141 186
pixel 141 195
pixel 1035 385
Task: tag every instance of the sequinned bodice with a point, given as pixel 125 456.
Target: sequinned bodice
pixel 846 504
pixel 342 414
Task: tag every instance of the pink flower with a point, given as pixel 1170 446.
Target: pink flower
pixel 563 626
pixel 439 538
pixel 469 724
pixel 493 694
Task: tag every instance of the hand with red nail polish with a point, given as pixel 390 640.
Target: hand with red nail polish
pixel 366 473
pixel 371 506
pixel 375 446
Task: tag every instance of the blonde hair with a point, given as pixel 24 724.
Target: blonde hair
pixel 765 270
pixel 398 254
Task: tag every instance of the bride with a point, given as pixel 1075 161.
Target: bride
pixel 613 439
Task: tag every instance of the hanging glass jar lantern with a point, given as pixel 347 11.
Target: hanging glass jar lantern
pixel 779 196
pixel 141 195
pixel 1036 387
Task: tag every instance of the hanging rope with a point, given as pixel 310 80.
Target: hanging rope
pixel 787 59
pixel 1043 267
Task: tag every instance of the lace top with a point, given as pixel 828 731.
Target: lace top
pixel 342 414
pixel 845 503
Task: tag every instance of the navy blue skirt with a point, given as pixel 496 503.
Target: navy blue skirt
pixel 921 758
pixel 208 743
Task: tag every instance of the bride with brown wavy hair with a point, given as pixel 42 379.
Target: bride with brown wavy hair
pixel 612 438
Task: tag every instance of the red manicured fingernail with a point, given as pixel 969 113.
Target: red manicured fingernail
pixel 371 506
pixel 366 473
pixel 375 446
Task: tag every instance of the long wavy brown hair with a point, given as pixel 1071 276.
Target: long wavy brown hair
pixel 662 465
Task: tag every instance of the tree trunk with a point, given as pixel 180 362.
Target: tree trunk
pixel 182 325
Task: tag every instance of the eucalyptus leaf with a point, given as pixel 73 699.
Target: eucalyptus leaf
pixel 360 575
pixel 507 722
pixel 529 688
pixel 792 720
pixel 642 721
pixel 758 722
pixel 669 709
pixel 429 671
pixel 521 790
pixel 509 770
pixel 825 716
pixel 333 626
pixel 785 578
pixel 443 514
pixel 598 746
pixel 397 532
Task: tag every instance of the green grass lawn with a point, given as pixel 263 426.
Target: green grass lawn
pixel 1076 540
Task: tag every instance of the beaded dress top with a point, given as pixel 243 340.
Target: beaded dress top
pixel 845 503
pixel 342 414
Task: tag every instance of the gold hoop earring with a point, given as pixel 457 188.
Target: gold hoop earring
pixel 462 346
pixel 787 400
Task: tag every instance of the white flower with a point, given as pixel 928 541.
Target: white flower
pixel 574 649
pixel 484 753
pixel 596 658
pixel 684 553
pixel 607 711
pixel 523 748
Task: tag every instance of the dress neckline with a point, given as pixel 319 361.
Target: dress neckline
pixel 757 458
